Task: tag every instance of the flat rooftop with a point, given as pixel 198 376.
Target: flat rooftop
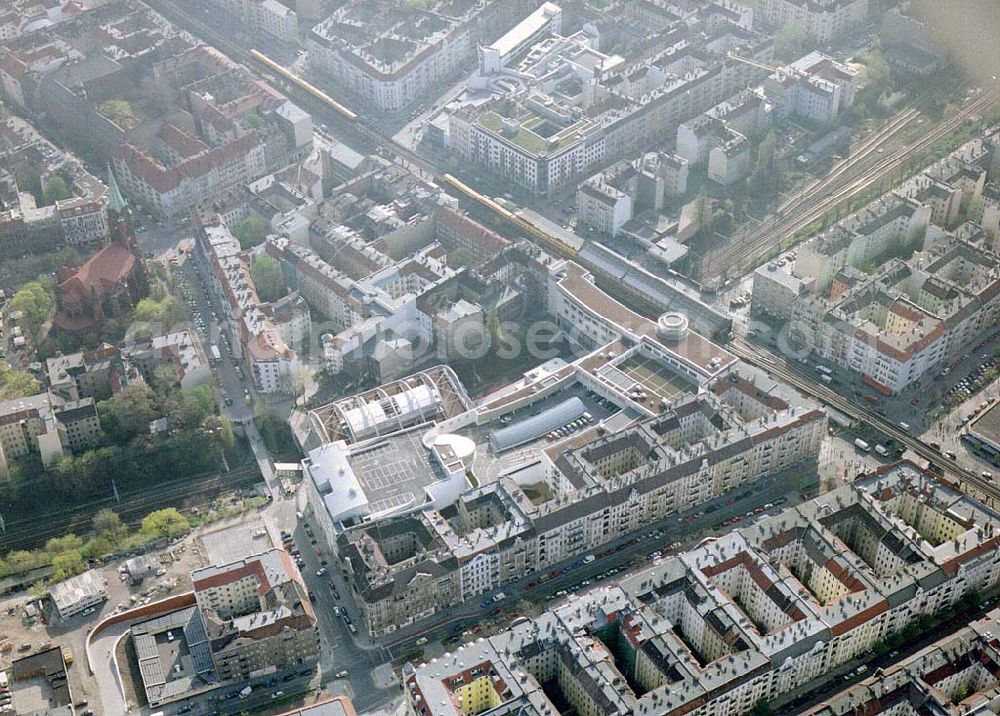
pixel 337 706
pixel 377 477
pixel 232 544
pixel 987 425
pixel 694 349
pixel 395 470
pixel 173 654
pixel 39 685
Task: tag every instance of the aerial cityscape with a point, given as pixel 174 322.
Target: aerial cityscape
pixel 499 357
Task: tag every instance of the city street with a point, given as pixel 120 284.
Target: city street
pixel 341 650
pixel 627 553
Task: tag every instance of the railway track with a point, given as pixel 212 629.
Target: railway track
pixel 779 367
pixel 758 246
pixel 30 533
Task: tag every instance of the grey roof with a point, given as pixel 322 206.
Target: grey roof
pixel 537 425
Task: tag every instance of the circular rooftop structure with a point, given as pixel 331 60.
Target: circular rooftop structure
pixel 462 446
pixel 672 326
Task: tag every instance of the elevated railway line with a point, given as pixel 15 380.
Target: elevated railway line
pixel 780 368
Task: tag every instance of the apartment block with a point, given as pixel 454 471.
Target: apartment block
pixel 459 546
pixel 567 108
pixel 955 675
pixel 270 360
pixel 899 289
pixel 390 56
pixel 268 16
pixel 752 614
pixel 48 426
pixel 602 205
pixel 257 615
pixel 825 20
pixel 26 227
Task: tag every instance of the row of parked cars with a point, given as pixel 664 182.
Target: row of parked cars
pixel 975 381
pixel 570 427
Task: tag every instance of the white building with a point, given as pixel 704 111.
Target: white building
pixel 743 617
pixel 603 206
pixel 823 19
pixel 78 593
pixel 543 21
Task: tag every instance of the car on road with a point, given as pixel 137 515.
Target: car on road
pixel 321 571
pixel 343 674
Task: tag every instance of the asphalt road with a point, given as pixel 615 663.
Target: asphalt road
pixel 686 528
pixel 341 649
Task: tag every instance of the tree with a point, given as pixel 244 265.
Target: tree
pixel 66 555
pixel 792 42
pixel 16 383
pixel 189 408
pixel 163 380
pixel 164 524
pixel 765 153
pixel 109 526
pixel 251 231
pixel 761 708
pixel 129 413
pixel 67 564
pixel 254 120
pixel 764 178
pixel 702 212
pixel 165 312
pixel 118 111
pixel 35 300
pixel 493 326
pixel 221 430
pixel 55 190
pixel 268 279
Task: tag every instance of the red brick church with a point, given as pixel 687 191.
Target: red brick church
pixel 111 282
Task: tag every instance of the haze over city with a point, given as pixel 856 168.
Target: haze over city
pixel 499 357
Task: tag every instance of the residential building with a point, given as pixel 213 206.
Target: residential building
pixel 460 331
pixel 87 374
pixel 897 290
pixel 268 16
pixel 389 56
pixel 408 560
pixel 815 87
pixel 257 615
pixel 775 291
pixel 27 228
pixel 825 20
pixel 954 675
pixel 746 616
pixel 567 108
pixel 47 426
pixel 546 19
pixel 729 161
pixel 271 362
pixel 603 206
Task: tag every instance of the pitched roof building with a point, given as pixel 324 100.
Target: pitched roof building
pixel 111 281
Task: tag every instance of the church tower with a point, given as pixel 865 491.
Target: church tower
pixel 120 223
